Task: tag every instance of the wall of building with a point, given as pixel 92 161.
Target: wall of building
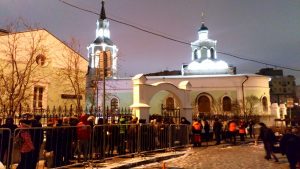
pixel 215 86
pixel 49 76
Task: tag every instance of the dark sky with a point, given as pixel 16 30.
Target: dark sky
pixel 263 30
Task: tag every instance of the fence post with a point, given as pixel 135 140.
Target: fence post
pixel 170 137
pixel 139 138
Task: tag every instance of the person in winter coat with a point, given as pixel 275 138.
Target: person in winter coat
pixel 242 130
pixel 232 131
pixel 250 128
pixel 217 127
pixel 132 135
pixel 268 137
pixel 26 146
pixel 4 141
pixel 290 146
pixel 37 137
pixel 122 136
pixel 84 135
pixel 196 130
pixel 206 131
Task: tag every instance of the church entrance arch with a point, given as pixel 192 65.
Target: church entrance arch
pixel 165 105
pixel 159 97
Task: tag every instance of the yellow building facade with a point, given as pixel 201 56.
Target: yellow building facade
pixel 40 71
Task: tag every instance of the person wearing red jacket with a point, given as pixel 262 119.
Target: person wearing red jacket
pixel 232 131
pixel 242 130
pixel 83 135
pixel 26 145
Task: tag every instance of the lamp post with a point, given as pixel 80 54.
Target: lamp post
pixel 243 92
pixel 290 105
pixel 103 87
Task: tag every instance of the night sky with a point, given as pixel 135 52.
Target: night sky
pixel 262 30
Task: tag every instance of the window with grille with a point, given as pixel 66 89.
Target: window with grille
pixel 38 97
pixel 114 104
pixel 170 103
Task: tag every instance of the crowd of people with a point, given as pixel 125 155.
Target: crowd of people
pixel 287 144
pixel 65 140
pixel 204 131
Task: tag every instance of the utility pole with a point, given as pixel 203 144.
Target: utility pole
pixel 103 83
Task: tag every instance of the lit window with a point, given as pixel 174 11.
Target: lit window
pixel 114 104
pixel 265 104
pixel 38 97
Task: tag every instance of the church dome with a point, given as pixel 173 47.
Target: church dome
pixel 203 28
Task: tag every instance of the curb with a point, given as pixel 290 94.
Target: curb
pixel 147 161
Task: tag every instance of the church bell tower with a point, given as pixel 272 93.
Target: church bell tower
pixel 102 57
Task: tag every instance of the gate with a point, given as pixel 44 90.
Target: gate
pixel 170 113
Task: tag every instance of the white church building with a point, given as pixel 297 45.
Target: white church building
pixel 206 86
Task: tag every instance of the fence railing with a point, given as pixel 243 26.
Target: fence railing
pixel 65 146
pixel 55 113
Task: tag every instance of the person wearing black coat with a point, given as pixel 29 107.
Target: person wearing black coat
pixel 268 137
pixel 290 146
pixel 37 137
pixel 206 131
pixel 217 127
pixel 4 141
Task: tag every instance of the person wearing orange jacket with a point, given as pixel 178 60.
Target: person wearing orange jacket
pixel 242 130
pixel 196 131
pixel 232 131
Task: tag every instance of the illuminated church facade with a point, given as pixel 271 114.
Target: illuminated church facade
pixel 206 86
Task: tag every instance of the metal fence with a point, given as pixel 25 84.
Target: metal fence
pixel 52 114
pixel 65 146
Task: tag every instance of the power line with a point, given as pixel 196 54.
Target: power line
pixel 176 40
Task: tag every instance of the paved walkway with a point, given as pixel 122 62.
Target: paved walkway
pixel 247 156
pixel 224 156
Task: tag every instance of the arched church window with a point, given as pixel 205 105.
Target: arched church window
pixel 226 103
pixel 212 53
pixel 203 104
pixel 114 104
pixel 204 52
pixel 265 104
pixel 170 103
pixel 195 54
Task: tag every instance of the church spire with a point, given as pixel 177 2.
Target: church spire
pixel 203 27
pixel 102 14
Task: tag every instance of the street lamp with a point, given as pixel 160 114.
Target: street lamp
pixel 103 83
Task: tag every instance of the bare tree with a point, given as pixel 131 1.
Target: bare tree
pixel 251 103
pixel 18 52
pixel 218 108
pixel 73 71
pixel 235 108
